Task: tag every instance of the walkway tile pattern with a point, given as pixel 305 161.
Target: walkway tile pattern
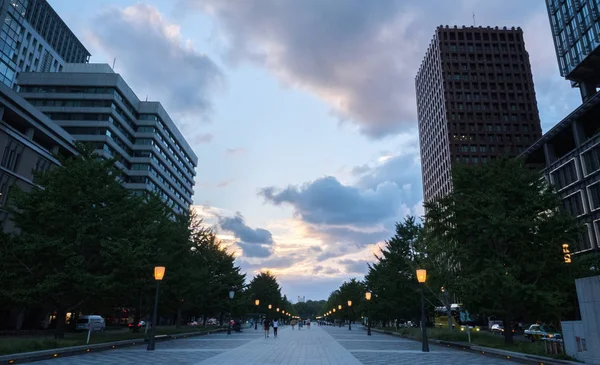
pixel 315 346
pixel 381 349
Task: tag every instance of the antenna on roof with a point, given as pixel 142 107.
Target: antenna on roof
pixel 473 19
pixel 146 97
pixel 114 61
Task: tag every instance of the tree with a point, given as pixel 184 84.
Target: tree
pixel 66 222
pixel 392 278
pixel 497 239
pixel 265 288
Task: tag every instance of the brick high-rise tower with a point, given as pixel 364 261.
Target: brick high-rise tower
pixel 475 101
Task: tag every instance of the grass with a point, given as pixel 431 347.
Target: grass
pixel 484 339
pixel 18 344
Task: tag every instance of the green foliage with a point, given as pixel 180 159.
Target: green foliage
pixel 392 278
pixel 310 308
pixel 496 241
pixel 265 288
pixel 88 245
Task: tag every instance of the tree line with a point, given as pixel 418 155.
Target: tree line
pixel 495 243
pixel 86 244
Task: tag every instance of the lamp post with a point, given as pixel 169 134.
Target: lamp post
pixel 270 306
pixel 159 273
pixel 448 308
pixel 340 309
pixel 368 297
pixel 349 314
pixel 231 294
pixel 421 277
pixel 256 303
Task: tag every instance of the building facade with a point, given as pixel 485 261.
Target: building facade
pixel 34 38
pixel 569 153
pixel 475 101
pixel 95 105
pixel 29 141
pixel 575 30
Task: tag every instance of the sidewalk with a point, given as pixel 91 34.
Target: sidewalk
pixel 306 347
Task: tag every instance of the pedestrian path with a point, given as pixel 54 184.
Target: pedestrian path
pixel 312 346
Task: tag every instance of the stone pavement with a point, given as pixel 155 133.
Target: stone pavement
pixel 315 346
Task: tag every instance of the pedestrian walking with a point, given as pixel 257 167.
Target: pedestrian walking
pixel 308 323
pixel 293 323
pixel 299 325
pixel 267 326
pixel 275 325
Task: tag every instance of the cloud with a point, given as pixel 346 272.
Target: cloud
pixel 225 183
pixel 202 138
pixel 235 151
pixel 254 242
pixel 359 56
pixel 151 52
pixel 355 266
pixel 349 217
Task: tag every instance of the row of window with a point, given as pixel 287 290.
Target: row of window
pixel 454 35
pixel 152 155
pixel 108 90
pixel 494 96
pixel 523 128
pixel 478 48
pixel 152 170
pixel 488 58
pixel 493 117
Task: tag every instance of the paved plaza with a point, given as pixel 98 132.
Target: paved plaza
pixel 315 346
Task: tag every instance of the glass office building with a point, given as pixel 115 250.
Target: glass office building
pixel 576 33
pixel 34 38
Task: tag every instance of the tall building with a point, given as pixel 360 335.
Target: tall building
pixel 34 38
pixel 94 104
pixel 569 153
pixel 29 141
pixel 475 101
pixel 575 31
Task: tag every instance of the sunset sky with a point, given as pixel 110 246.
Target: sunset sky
pixel 302 113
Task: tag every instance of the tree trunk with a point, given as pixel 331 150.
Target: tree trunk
pixel 137 316
pixel 508 333
pixel 178 320
pixel 59 332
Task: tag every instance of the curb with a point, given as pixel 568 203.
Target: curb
pixel 24 357
pixel 508 355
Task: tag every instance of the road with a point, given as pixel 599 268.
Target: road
pixel 315 346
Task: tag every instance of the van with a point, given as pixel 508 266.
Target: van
pixel 93 322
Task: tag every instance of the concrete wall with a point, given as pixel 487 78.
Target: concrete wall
pixel 582 338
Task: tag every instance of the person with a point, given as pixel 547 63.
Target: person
pixel 267 326
pixel 275 325
pixel 308 323
pixel 299 325
pixel 293 323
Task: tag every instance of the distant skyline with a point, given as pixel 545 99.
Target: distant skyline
pixel 302 114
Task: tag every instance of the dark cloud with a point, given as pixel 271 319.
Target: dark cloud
pixel 359 56
pixel 254 242
pixel 348 217
pixel 151 53
pixel 355 266
pixel 327 201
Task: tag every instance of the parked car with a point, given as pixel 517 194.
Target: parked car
pixel 139 325
pixel 540 331
pixel 93 322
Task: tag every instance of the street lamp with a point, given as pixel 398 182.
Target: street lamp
pixel 368 297
pixel 270 306
pixel 421 277
pixel 256 303
pixel 349 319
pixel 340 308
pixel 231 294
pixel 159 274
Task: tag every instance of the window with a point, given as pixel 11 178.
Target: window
pixel 573 204
pixel 564 175
pixel 591 160
pixel 594 195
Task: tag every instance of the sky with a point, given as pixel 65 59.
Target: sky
pixel 302 113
